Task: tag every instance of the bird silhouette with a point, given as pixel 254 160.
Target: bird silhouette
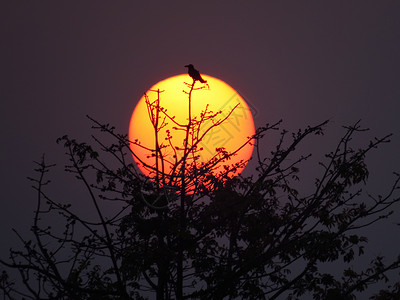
pixel 195 74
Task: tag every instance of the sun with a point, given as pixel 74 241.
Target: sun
pixel 215 98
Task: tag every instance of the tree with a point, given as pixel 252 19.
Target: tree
pixel 194 231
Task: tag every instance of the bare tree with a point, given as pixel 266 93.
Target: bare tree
pixel 191 230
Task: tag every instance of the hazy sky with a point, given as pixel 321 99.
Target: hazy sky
pixel 302 61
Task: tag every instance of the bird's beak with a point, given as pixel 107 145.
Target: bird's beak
pixel 187 66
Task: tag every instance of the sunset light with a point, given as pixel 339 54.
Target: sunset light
pixel 214 96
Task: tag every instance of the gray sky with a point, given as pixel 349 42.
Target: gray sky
pixel 302 61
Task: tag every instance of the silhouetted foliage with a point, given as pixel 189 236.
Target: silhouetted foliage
pixel 195 232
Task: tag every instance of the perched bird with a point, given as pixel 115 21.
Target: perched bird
pixel 194 73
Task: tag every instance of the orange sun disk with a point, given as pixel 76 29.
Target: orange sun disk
pixel 215 96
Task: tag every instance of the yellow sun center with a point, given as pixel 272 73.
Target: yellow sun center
pixel 161 117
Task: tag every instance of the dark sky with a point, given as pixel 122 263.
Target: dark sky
pixel 302 61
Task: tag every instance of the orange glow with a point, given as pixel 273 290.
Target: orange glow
pixel 219 96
